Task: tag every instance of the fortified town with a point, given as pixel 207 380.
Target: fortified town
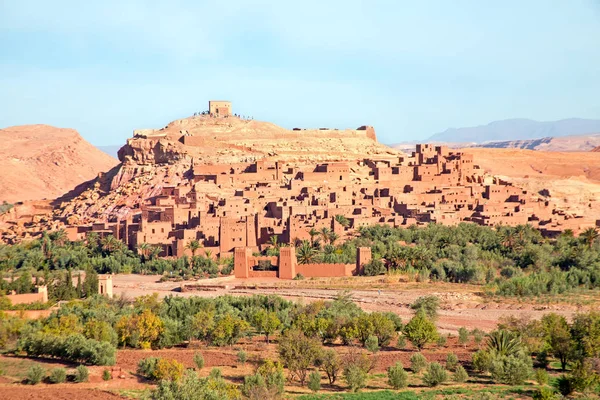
pixel 233 197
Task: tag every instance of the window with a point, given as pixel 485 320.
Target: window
pixel 153 231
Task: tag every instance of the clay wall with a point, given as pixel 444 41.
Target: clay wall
pixel 325 270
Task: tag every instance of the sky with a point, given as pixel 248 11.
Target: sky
pixel 409 68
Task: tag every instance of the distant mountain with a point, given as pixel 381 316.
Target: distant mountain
pixel 518 129
pixel 110 150
pixel 564 143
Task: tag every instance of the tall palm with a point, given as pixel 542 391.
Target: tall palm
pixel 342 220
pixel 155 251
pixel 313 233
pixel 274 240
pixel 110 244
pixel 306 253
pixel 333 237
pixel 589 236
pixel 194 246
pixel 503 342
pixel 325 232
pixel 144 250
pixel 59 237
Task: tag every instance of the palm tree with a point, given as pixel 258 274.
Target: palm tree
pixel 589 236
pixel 59 237
pixel 325 234
pixel 155 251
pixel 144 249
pixel 504 343
pixel 306 253
pixel 194 245
pixel 274 240
pixel 110 243
pixel 343 221
pixel 333 237
pixel 313 232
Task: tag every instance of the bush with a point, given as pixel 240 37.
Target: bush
pixel 541 359
pixel 401 343
pixel 199 360
pixel 397 376
pixel 355 377
pixel 82 374
pixel 215 373
pixel 545 393
pixel 420 330
pixel 35 374
pixel 451 362
pixel 418 362
pixel 564 385
pixel 428 304
pixel 242 357
pixel 460 375
pixel 463 336
pixel 165 369
pixel 58 375
pixel 478 335
pixel 541 377
pixel 435 375
pixel 442 340
pixel 482 361
pixel 374 267
pixel 106 375
pixel 146 367
pixel 372 344
pixel 511 370
pixel 314 381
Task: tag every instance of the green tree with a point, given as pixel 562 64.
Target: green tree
pixel 434 375
pixel 420 330
pixel 417 362
pixel 330 364
pixel 298 353
pixel 558 338
pixel 590 236
pixel 342 220
pixel 314 381
pixel 266 322
pixel 428 304
pixel 397 376
pixel 463 336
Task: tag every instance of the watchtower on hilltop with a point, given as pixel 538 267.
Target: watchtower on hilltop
pixel 219 108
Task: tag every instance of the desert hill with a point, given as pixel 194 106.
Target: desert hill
pixel 41 161
pixel 596 150
pixel 570 178
pixel 517 129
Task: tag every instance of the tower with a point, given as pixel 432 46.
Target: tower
pixel 363 256
pixel 105 285
pixel 219 108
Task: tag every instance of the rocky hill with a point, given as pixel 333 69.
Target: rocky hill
pixel 565 143
pixel 41 161
pixel 596 150
pixel 518 129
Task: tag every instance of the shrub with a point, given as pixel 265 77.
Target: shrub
pixel 272 372
pixel 374 267
pixel 215 373
pixel 165 369
pixel 478 335
pixel 106 375
pixel 463 336
pixel 428 304
pixel 482 361
pixel 314 381
pixel 401 343
pixel 199 360
pixel 511 370
pixel 541 359
pixel 58 375
pixel 451 361
pixel 541 377
pixel 372 344
pixel 564 385
pixel 146 367
pixel 82 374
pixel 418 362
pixel 242 357
pixel 545 393
pixel 298 353
pixel 397 376
pixel 355 377
pixel 460 375
pixel 442 340
pixel 35 374
pixel 435 375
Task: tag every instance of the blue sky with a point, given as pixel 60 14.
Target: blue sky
pixel 409 68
